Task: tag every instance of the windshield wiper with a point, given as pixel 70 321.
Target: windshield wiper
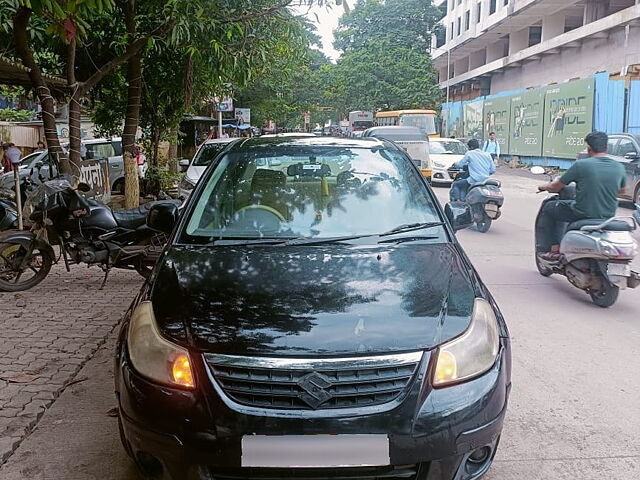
pixel 412 238
pixel 249 241
pixel 410 227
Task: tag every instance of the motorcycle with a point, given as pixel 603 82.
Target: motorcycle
pixel 595 254
pixel 484 199
pixel 8 207
pixel 86 231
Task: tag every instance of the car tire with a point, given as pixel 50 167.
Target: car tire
pixel 636 196
pixel 118 186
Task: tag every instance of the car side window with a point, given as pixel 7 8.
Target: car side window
pixel 99 150
pixel 625 146
pixel 612 146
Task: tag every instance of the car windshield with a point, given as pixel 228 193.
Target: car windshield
pixel 310 192
pixel 207 153
pixel 455 148
pixel 401 137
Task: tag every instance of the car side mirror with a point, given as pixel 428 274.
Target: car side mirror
pixel 184 164
pixel 162 217
pixel 459 215
pixel 632 156
pixel 39 164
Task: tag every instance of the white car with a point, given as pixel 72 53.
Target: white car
pixel 444 153
pixel 194 169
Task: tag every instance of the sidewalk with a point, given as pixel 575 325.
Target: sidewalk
pixel 77 439
pixel 48 334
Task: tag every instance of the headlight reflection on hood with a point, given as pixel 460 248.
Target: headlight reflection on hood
pixel 472 353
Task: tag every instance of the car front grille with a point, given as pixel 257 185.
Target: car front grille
pixel 404 472
pixel 311 384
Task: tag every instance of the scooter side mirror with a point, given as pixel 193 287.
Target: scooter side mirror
pixel 459 215
pixel 163 217
pixel 537 170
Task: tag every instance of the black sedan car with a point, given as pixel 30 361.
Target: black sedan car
pixel 312 316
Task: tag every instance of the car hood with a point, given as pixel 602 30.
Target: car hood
pixel 320 300
pixel 447 159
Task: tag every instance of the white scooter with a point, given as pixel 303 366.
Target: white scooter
pixel 595 254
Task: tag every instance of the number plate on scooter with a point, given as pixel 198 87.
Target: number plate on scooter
pixel 621 269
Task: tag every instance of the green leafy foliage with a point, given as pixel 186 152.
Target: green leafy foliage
pixel 10 115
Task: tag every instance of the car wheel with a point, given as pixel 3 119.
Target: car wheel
pixel 636 196
pixel 118 186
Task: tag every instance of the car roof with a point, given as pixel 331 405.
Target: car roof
pixel 289 134
pixel 101 140
pixel 394 129
pixel 220 140
pixel 276 141
pixel 441 139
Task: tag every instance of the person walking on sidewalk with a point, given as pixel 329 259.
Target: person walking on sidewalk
pixel 492 147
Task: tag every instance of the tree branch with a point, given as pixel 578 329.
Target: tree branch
pixel 133 48
pixel 264 13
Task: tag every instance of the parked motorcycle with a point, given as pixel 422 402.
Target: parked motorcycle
pixel 8 207
pixel 86 231
pixel 595 254
pixel 484 199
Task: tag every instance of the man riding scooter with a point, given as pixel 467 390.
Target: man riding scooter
pixel 599 181
pixel 480 165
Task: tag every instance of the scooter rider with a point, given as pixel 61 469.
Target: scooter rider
pixel 481 167
pixel 599 180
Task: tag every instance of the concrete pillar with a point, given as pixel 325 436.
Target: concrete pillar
pixel 518 41
pixel 552 26
pixel 495 51
pixel 461 66
pixel 477 59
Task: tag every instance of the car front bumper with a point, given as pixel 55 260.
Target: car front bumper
pixel 441 175
pixel 194 435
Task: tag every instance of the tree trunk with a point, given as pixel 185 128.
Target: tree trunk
pixel 21 40
pixel 75 110
pixel 134 78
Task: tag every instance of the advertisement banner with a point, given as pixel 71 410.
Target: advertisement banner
pixel 452 120
pixel 243 116
pixel 497 119
pixel 224 104
pixel 526 123
pixel 473 123
pixel 568 117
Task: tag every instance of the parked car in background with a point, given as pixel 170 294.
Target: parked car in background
pixel 410 139
pixel 625 148
pixel 444 152
pixel 317 319
pixel 39 166
pixel 194 169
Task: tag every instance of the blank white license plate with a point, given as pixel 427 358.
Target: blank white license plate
pixel 315 451
pixel 619 269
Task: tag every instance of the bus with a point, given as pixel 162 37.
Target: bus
pixel 425 120
pixel 360 120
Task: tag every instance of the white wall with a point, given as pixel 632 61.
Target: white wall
pixel 593 56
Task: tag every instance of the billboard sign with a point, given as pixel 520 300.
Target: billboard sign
pixel 497 119
pixel 527 119
pixel 568 117
pixel 224 104
pixel 243 116
pixel 473 124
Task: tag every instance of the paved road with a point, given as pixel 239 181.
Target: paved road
pixel 574 406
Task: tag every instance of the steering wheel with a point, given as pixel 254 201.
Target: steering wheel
pixel 266 208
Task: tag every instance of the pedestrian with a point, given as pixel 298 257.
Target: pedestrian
pixel 41 146
pixel 141 161
pixel 12 156
pixel 492 147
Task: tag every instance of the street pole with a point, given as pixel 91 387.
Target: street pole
pixel 16 178
pixel 219 124
pixel 448 71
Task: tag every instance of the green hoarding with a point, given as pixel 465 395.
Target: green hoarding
pixel 568 117
pixel 497 119
pixel 473 119
pixel 526 123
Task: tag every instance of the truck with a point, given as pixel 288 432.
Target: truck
pixel 359 121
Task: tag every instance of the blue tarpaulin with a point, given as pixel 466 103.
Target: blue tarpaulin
pixel 608 110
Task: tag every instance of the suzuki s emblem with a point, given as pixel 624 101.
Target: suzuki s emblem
pixel 314 387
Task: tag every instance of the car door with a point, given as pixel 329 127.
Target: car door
pixel 627 152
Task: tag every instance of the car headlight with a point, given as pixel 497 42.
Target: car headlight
pixel 439 164
pixel 472 353
pixel 187 183
pixel 153 356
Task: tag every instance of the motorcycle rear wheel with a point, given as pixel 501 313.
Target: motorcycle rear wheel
pixel 606 296
pixel 12 278
pixel 484 225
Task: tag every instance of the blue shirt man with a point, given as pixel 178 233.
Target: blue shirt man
pixel 491 146
pixel 480 166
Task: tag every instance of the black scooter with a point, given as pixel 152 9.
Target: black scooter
pixel 86 231
pixel 484 199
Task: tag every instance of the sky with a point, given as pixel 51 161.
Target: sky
pixel 326 22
